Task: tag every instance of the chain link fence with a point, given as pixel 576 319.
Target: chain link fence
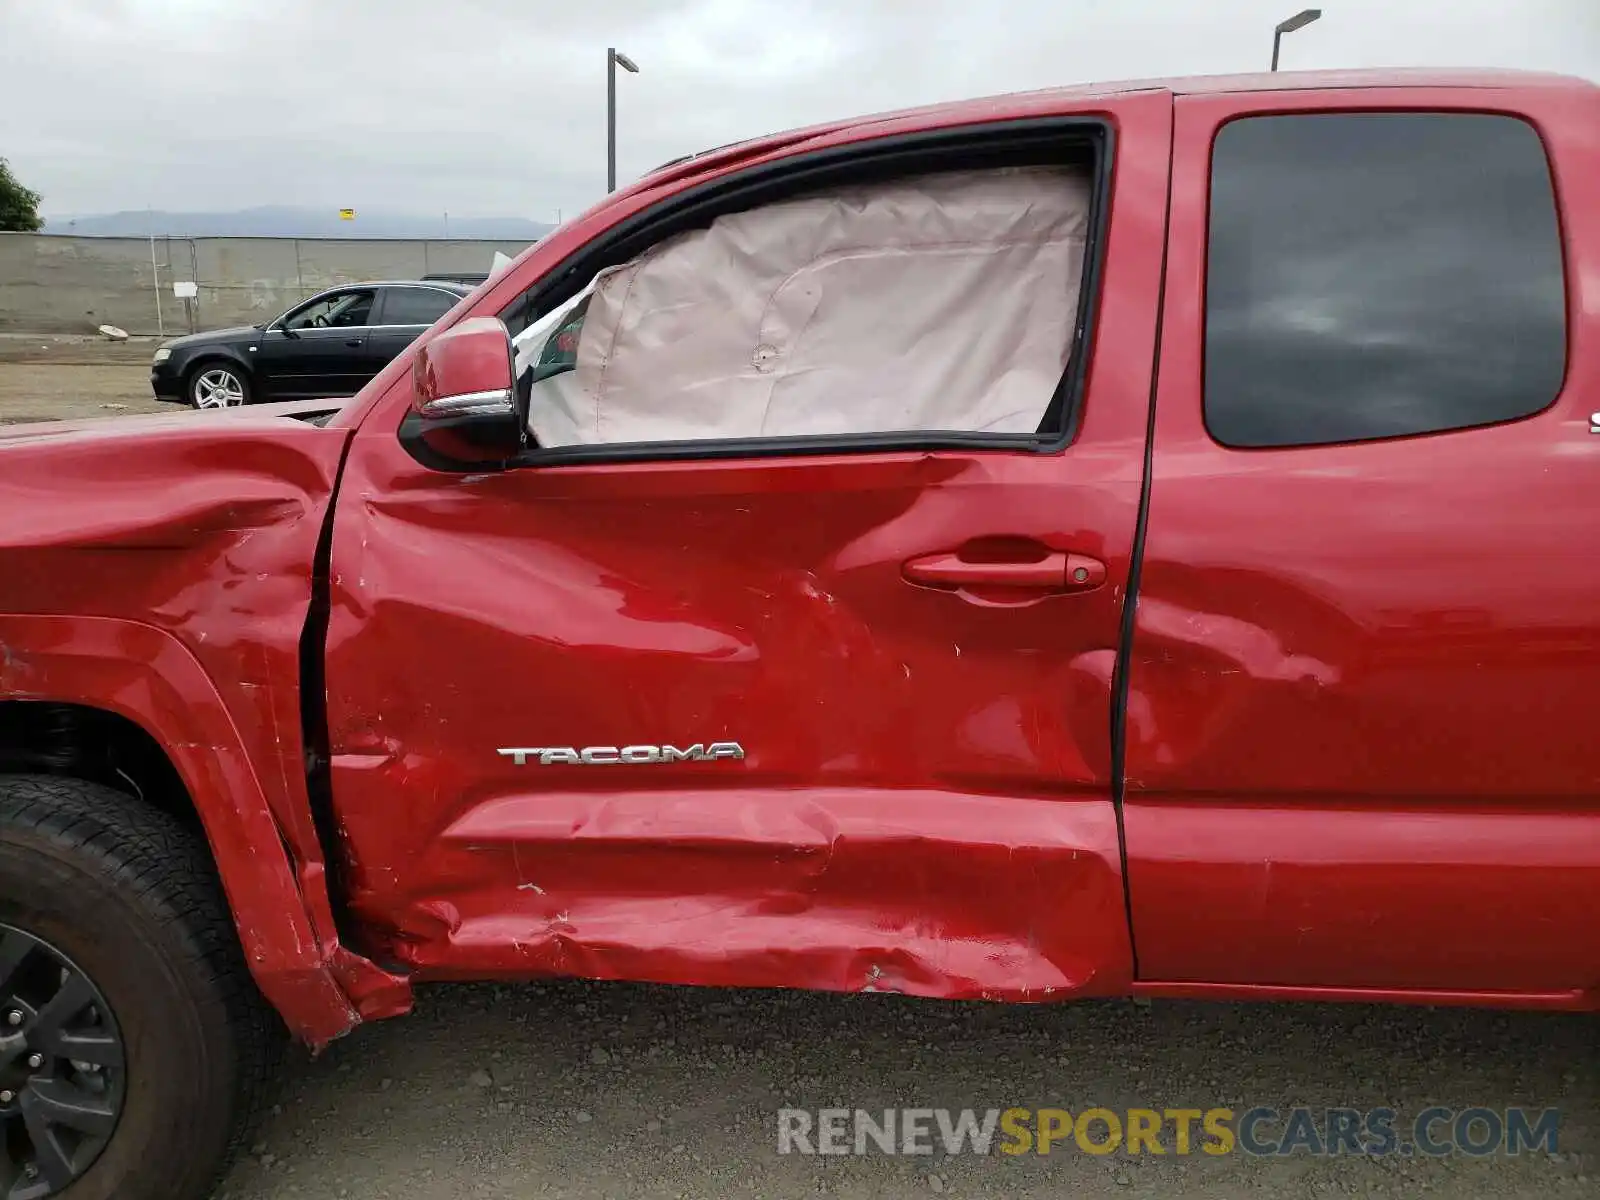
pixel 63 284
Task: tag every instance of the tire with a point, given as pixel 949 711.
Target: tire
pixel 217 383
pixel 127 896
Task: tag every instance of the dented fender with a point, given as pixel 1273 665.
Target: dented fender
pixel 163 569
pixel 146 675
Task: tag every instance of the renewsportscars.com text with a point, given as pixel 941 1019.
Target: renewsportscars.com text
pixel 1373 1132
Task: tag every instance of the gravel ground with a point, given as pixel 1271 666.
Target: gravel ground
pixel 603 1090
pixel 612 1090
pixel 31 392
pixel 70 378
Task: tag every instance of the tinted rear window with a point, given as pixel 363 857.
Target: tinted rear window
pixel 416 306
pixel 1379 274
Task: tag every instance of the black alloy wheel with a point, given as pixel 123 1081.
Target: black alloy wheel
pixel 135 1050
pixel 62 1069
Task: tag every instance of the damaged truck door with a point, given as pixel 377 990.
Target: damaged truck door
pixel 821 555
pixel 1364 654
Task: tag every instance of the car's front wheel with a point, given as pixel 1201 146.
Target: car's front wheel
pixel 133 1045
pixel 218 385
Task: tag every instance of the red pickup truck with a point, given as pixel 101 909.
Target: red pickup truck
pixel 1117 540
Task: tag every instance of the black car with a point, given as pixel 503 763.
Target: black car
pixel 329 345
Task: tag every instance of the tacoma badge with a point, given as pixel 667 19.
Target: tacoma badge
pixel 609 756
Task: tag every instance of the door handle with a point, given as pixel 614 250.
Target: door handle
pixel 353 343
pixel 1057 571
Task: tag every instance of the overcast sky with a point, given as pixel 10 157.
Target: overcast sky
pixel 497 107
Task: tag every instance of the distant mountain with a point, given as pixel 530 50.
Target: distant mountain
pixel 285 221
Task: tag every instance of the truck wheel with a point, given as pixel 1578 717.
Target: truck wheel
pixel 218 385
pixel 133 1043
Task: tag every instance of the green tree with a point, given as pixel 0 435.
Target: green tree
pixel 19 208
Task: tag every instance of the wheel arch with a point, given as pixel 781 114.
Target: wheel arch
pixel 137 685
pixel 77 741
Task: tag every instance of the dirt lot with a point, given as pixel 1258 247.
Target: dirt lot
pixel 591 1091
pixel 61 378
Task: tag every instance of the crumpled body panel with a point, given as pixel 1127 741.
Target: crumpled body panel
pixel 160 568
pixel 847 890
pixel 924 799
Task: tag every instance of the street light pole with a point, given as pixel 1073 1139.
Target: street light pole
pixel 613 61
pixel 1299 21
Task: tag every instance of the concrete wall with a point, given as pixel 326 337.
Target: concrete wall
pixel 51 284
